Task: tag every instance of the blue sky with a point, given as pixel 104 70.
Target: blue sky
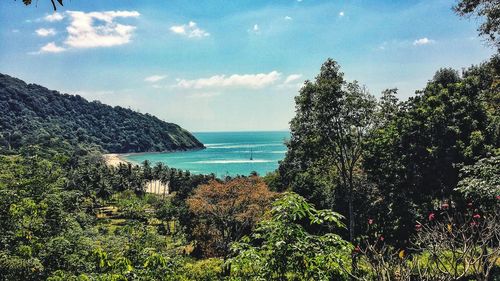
pixel 229 65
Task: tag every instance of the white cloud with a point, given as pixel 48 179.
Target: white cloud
pixel 83 32
pixel 204 95
pixel 44 32
pixel 190 30
pixel 51 48
pixel 253 81
pixel 423 41
pixel 155 78
pixel 54 17
pixel 288 18
pixel 341 13
pixel 291 78
pixel 15 30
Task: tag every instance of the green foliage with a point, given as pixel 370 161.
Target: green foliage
pixel 282 247
pixel 203 270
pixel 35 220
pixel 480 182
pixel 414 156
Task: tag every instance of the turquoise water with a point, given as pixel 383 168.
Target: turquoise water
pixel 226 153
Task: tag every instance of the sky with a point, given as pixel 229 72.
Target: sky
pixel 221 65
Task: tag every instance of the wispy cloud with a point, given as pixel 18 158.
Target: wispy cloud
pixel 253 81
pixel 83 32
pixel 54 17
pixel 44 32
pixel 292 78
pixel 341 14
pixel 190 30
pixel 204 95
pixel 155 78
pixel 423 41
pixel 288 18
pixel 51 48
pixel 291 82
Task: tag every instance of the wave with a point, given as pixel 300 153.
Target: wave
pixel 247 151
pixel 233 161
pixel 259 151
pixel 216 144
pixel 243 146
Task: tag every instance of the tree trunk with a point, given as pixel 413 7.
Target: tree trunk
pixel 352 225
pixel 351 208
pixel 351 218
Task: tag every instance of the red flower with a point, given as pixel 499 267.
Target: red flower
pixel 382 238
pixel 498 197
pixel 445 206
pixel 418 227
pixel 477 216
pixel 357 249
pixel 370 221
pixel 432 216
pixel 469 205
pixel 473 223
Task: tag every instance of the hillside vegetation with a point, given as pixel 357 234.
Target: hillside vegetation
pixel 32 114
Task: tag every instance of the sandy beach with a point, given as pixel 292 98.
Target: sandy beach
pixel 113 159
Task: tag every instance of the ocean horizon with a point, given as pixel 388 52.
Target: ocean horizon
pixel 226 153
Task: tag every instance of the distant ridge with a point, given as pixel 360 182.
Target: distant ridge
pixel 32 114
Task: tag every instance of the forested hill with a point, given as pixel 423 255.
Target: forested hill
pixel 32 114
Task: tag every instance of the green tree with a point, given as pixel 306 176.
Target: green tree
pixel 414 158
pixel 333 119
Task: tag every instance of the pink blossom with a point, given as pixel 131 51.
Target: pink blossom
pixel 370 221
pixel 418 227
pixel 477 216
pixel 432 216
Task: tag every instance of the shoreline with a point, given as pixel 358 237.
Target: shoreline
pixel 115 159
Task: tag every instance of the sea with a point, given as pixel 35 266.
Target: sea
pixel 226 154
